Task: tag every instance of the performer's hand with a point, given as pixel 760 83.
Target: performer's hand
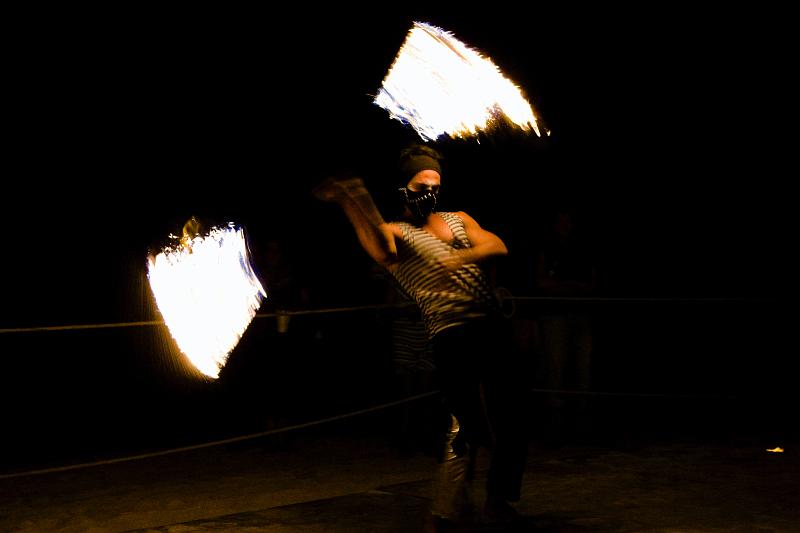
pixel 444 263
pixel 336 188
pixel 387 233
pixel 451 261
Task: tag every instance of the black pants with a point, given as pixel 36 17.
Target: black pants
pixel 484 388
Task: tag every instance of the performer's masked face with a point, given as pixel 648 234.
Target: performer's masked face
pixel 421 194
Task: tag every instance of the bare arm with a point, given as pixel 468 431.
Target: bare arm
pixel 375 235
pixel 485 245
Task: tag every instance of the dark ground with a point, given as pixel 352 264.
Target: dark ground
pixel 349 477
pixel 688 396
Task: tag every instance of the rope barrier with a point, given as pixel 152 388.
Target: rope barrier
pixel 634 299
pixel 83 326
pixel 633 394
pixel 161 322
pixel 332 419
pixel 218 442
pixel 377 307
pixel 505 296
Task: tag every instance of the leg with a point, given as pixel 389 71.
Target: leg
pixel 452 497
pixel 460 387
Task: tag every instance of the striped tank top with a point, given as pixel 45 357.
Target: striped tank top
pixel 445 300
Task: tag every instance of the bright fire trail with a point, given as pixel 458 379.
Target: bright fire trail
pixel 439 86
pixel 207 292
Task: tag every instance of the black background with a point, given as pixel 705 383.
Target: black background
pixel 668 127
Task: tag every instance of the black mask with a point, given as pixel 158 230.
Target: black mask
pixel 420 203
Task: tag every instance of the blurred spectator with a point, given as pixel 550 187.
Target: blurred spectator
pixel 565 267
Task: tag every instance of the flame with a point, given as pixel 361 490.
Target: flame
pixel 440 86
pixel 207 292
pixel 190 230
pixel 775 450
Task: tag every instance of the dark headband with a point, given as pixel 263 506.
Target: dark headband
pixel 417 163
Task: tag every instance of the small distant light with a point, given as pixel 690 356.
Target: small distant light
pixel 775 450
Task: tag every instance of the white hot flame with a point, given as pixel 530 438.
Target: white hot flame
pixel 440 86
pixel 208 294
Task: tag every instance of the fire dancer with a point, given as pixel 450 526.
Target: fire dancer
pixel 438 259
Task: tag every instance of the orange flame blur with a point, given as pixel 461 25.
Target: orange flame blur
pixel 207 292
